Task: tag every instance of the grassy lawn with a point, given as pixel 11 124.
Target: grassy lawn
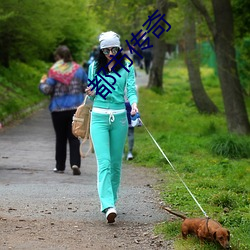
pixel 214 164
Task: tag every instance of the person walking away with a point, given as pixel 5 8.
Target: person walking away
pixel 130 133
pixel 147 55
pixel 109 123
pixel 93 55
pixel 65 84
pixel 136 58
pixel 131 129
pixel 130 55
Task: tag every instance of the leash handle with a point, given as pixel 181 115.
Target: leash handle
pixel 174 170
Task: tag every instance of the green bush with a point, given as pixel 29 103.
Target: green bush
pixel 231 146
pixel 223 200
pixel 19 87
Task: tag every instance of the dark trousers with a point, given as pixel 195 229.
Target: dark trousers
pixel 131 139
pixel 62 122
pixel 147 65
pixel 130 129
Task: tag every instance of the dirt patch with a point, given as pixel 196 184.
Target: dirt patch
pixel 51 234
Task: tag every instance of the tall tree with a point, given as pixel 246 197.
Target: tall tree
pixel 131 20
pixel 159 49
pixel 223 38
pixel 112 16
pixel 242 32
pixel 201 99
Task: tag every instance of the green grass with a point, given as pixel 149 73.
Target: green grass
pixel 19 88
pixel 214 164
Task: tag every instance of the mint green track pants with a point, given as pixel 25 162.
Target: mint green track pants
pixel 108 138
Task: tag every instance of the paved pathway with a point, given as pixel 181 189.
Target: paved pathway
pixel 141 78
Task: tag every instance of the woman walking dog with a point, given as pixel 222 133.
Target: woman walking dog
pixel 109 123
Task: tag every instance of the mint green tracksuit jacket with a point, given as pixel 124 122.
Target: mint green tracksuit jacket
pixel 109 132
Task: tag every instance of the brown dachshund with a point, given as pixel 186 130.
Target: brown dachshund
pixel 204 229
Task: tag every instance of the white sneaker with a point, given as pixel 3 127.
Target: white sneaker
pixel 58 171
pixel 76 170
pixel 130 156
pixel 111 214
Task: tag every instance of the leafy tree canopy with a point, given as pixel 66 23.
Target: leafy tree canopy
pixel 32 30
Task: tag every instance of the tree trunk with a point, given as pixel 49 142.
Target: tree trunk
pixel 201 99
pixel 159 51
pixel 235 109
pixel 223 37
pixel 156 71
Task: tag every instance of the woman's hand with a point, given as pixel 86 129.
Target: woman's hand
pixel 89 92
pixel 134 109
pixel 43 79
